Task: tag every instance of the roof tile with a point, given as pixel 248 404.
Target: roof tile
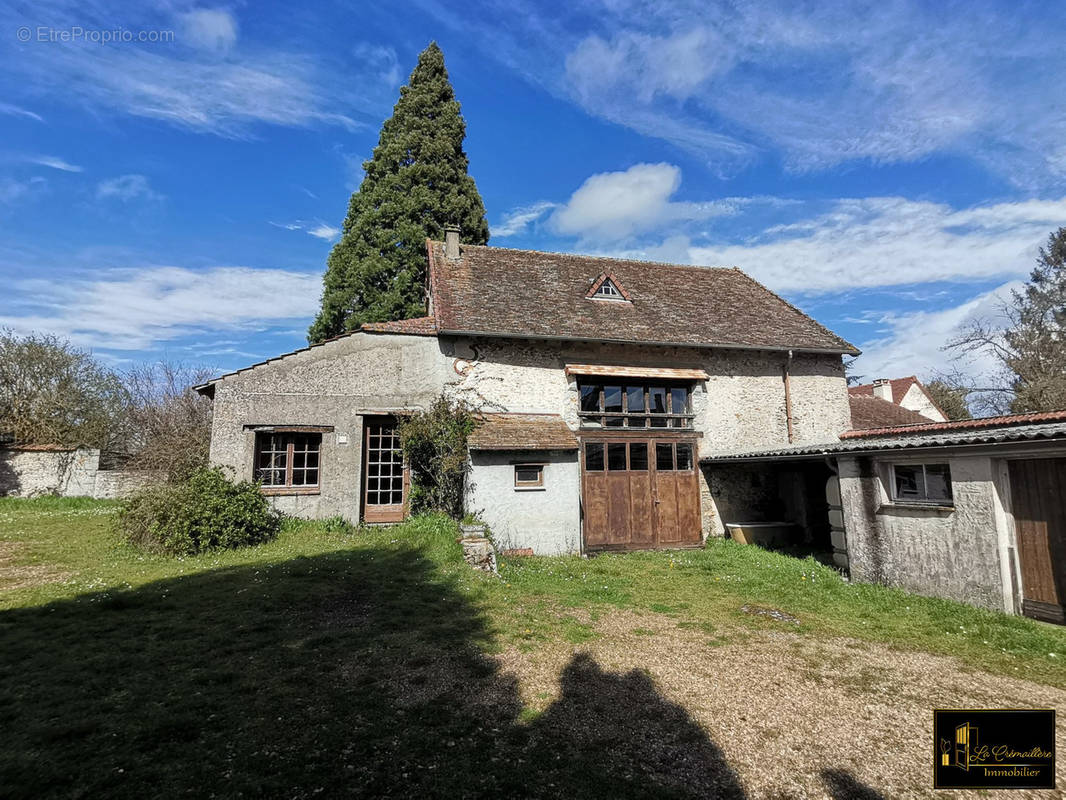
pixel 530 294
pixel 522 432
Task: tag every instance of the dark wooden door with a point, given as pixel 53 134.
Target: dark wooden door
pixel 1038 503
pixel 386 480
pixel 639 494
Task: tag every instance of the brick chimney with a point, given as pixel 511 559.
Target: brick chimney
pixel 451 242
pixel 883 389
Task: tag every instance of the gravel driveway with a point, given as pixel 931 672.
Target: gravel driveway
pixel 793 716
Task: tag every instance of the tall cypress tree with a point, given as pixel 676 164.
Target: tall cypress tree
pixel 415 184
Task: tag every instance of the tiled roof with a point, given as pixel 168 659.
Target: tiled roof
pixel 869 412
pixel 900 386
pixel 419 326
pixel 1045 426
pixel 961 425
pixel 529 294
pixel 522 432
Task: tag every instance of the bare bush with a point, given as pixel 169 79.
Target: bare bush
pixel 169 424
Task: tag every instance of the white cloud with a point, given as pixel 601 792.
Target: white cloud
pixel 18 111
pixel 135 309
pixel 915 340
pixel 318 229
pixel 54 163
pixel 126 188
pixel 210 28
pixel 819 84
pixel 324 231
pixel 891 241
pixel 519 219
pixel 12 190
pixel 619 205
pixel 208 79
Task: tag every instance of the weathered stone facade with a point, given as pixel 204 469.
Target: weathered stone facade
pixel 32 472
pixel 333 386
pixel 337 385
pixel 546 519
pixel 959 552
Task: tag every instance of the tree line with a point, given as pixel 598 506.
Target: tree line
pixel 147 416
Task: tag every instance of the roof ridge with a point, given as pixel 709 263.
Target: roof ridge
pixel 590 257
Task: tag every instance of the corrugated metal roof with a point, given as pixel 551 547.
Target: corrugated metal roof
pixel 939 438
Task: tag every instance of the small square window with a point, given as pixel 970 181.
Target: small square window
pixel 921 483
pixel 664 457
pixel 527 476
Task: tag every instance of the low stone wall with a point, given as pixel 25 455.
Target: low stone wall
pixel 33 471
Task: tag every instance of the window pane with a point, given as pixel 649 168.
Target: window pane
pixel 657 399
pixel 638 456
pixel 594 456
pixel 679 400
pixel 616 456
pixel 908 481
pixel 684 456
pixel 527 473
pixel 634 399
pixel 937 482
pixel 664 456
pixel 590 398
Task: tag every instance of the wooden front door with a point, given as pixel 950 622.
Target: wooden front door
pixel 386 480
pixel 1038 503
pixel 640 493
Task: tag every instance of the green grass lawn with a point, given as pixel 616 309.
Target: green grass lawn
pixel 358 662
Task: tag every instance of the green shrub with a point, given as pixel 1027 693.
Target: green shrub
pixel 434 445
pixel 206 511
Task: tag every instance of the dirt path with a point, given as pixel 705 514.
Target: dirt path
pixel 20 576
pixel 798 717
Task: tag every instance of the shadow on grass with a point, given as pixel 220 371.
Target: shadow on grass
pixel 358 672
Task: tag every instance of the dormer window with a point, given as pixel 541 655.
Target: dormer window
pixel 607 287
pixel 609 290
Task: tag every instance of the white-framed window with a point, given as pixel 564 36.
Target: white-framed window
pixel 528 476
pixel 921 483
pixel 608 290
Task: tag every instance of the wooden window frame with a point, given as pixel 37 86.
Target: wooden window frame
pixel 924 500
pixel 526 485
pixel 289 437
pixel 671 419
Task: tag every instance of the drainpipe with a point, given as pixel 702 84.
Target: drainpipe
pixel 788 395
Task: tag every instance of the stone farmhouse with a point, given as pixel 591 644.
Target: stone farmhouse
pixel 629 405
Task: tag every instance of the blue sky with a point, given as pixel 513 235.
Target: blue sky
pixel 890 167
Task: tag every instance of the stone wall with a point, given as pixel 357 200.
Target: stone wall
pixel 333 386
pixel 33 472
pixel 742 405
pixel 545 519
pixel 953 553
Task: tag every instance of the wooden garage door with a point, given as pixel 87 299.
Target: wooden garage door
pixel 1038 502
pixel 640 494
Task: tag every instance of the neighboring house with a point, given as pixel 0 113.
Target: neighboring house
pixel 909 393
pixel 600 381
pixel 971 510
